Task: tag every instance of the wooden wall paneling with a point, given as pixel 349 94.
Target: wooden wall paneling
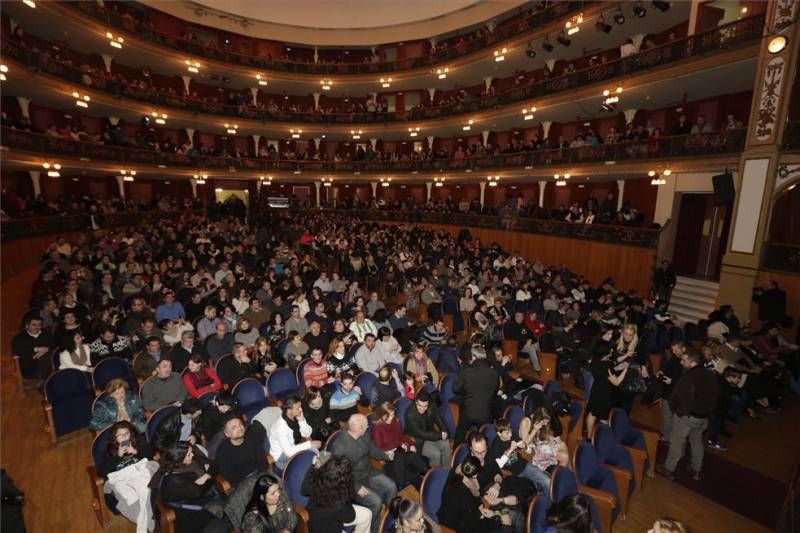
pixel 789 283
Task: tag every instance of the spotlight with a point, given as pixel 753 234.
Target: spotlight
pixel 563 39
pixel 661 5
pixel 777 44
pixel 602 26
pixel 547 46
pixel 639 10
pixel 530 52
pixel 619 17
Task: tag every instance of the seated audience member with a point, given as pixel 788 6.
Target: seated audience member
pixel 344 400
pixel 296 349
pixel 316 338
pixel 33 346
pixel 76 354
pixel 214 415
pixel 505 453
pixel 242 452
pixel 409 517
pixel 340 361
pixel 436 333
pixel 387 388
pixel 330 487
pixel 170 309
pixel 120 404
pixel 573 514
pixel 288 434
pixel 424 424
pixel 255 314
pixel 144 364
pixel 370 355
pixel 317 415
pixel 109 344
pixel 361 325
pixel 269 508
pixel 181 352
pixel 419 364
pixel 462 508
pixel 266 358
pixel 391 346
pixel 165 388
pixel 198 378
pixel 246 334
pixel 372 488
pixel 296 322
pixel 172 331
pixel 548 450
pixel 207 325
pixel 220 343
pixel 126 446
pixel 387 434
pixel 315 371
pixel 667 525
pixel 240 366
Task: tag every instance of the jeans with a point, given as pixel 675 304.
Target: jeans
pixel 380 489
pixel 532 354
pixel 683 428
pixel 537 476
pixel 437 452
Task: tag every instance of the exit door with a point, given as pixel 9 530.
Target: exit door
pixel 703 227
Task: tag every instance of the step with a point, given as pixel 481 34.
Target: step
pixel 687 313
pixel 694 297
pixel 692 304
pixel 700 289
pixel 693 282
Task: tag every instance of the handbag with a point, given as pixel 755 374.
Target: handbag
pixel 633 382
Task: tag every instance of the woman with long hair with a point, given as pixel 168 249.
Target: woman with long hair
pixel 269 510
pixel 267 360
pixel 571 515
pixel 387 434
pixel 421 366
pixel 126 446
pixel 340 361
pixel 331 490
pixel 668 525
pixel 409 517
pixel 276 329
pixel 76 354
pixel 547 449
pixel 199 378
pixel 462 508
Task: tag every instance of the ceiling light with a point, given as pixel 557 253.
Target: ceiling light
pixel 200 179
pixel 3 72
pixel 468 125
pixel 667 172
pixel 492 180
pixel 530 51
pixel 385 182
pixel 192 66
pixel 413 132
pixel 81 100
pixel 159 118
pixel 326 84
pixel 527 113
pixel 547 46
pixel 52 169
pixel 560 183
pixel 743 11
pixel 563 40
pixel 297 171
pixel 442 72
pixel 261 80
pixel 664 6
pixel 386 82
pixel 29 3
pixel 651 174
pixel 500 55
pixel 356 134
pixel 115 41
pixel 231 128
pixel 777 44
pixel 438 182
pixel 619 16
pixel 639 9
pixel 295 133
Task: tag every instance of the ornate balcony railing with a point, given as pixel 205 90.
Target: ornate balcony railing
pixel 631 236
pixel 782 257
pixel 730 36
pixel 506 30
pixel 680 146
pixel 29 227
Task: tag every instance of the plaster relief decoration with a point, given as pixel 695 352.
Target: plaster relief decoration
pixel 202 11
pixel 786 174
pixel 769 99
pixel 783 15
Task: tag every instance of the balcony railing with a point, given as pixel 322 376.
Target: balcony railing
pixel 28 227
pixel 730 36
pixel 506 30
pixel 680 146
pixel 631 236
pixel 781 257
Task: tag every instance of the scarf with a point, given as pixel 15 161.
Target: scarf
pixel 294 425
pixel 80 357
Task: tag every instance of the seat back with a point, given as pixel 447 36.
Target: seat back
pixel 514 415
pixel 537 514
pixel 71 398
pixel 459 454
pixel 281 383
pixel 447 361
pixel 294 473
pixel 490 431
pixel 387 522
pixel 99 445
pixel 111 368
pixel 280 348
pixel 585 462
pixel 446 413
pixel 298 373
pixel 430 492
pixel 332 439
pixel 365 382
pixel 588 381
pixel 401 405
pixel 624 432
pixel 222 367
pixel 446 383
pixel 249 394
pixel 155 419
pixel 562 484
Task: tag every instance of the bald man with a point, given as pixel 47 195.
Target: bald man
pixel 373 488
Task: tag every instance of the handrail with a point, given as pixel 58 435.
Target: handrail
pixel 627 235
pixel 692 145
pixel 506 30
pixel 726 37
pixel 20 228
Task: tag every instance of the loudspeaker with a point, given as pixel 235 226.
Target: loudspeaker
pixel 723 188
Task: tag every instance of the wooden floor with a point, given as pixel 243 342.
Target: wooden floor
pixel 58 493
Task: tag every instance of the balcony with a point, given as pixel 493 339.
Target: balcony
pixel 673 147
pixel 725 38
pixel 506 30
pixel 781 257
pixel 791 137
pixel 631 236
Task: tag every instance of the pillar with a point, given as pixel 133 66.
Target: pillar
pixel 630 114
pixel 374 142
pixel 693 16
pixel 431 40
pixel 317 185
pixel 317 141
pixel 316 58
pixel 375 190
pixel 431 93
pixel 428 186
pixel 542 187
pixel 36 179
pixel 430 142
pixel 186 81
pixel 546 128
pixel 551 64
pixel 637 41
pixel 113 120
pixel 620 193
pixel 254 93
pixel 24 106
pixel 316 100
pixel 107 59
pixel 121 185
pixel 485 136
pixel 256 142
pixel 194 188
pixel 190 135
pixel 491 25
pixel 487 82
pixel 483 192
pixel 758 163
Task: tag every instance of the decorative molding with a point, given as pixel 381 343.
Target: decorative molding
pixel 786 175
pixel 769 99
pixel 783 14
pixel 203 11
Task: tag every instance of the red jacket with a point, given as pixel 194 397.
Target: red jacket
pixel 389 436
pixel 202 382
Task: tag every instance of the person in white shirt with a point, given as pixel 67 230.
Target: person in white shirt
pixel 362 325
pixel 390 345
pixel 77 355
pixel 323 283
pixel 370 357
pixel 287 433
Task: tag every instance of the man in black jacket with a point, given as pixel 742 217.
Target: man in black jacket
pixel 692 401
pixel 664 281
pixel 477 385
pixel 242 452
pixel 424 424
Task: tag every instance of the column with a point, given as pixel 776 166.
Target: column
pixel 546 128
pixel 256 142
pixel 758 164
pixel 107 59
pixel 317 185
pixel 375 190
pixel 121 185
pixel 186 81
pixel 483 191
pixel 620 193
pixel 551 64
pixel 487 82
pixel 428 186
pixel 113 120
pixel 542 187
pixel 374 143
pixel 190 135
pixel 316 55
pixel 430 142
pixel 316 100
pixel 630 114
pixel 693 16
pixel 36 179
pixel 637 40
pixel 254 93
pixel 431 93
pixel 485 136
pixel 194 188
pixel 24 106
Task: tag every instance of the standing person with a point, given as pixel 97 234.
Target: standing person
pixel 669 375
pixel 477 385
pixel 664 281
pixel 693 399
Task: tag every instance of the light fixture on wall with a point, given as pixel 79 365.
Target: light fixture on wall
pixel 127 175
pixel 231 128
pixel 29 3
pixel 777 44
pixel 262 80
pixel 295 133
pixel 468 125
pixel 3 72
pixel 619 16
pixel 386 82
pixel 356 134
pixel 115 40
pixel 442 72
pixel 52 169
pixel 527 112
pixel 657 177
pixel 561 179
pixel 159 118
pixel 602 25
pixel 81 100
pixel 492 180
pixel 500 55
pixel 326 84
pixel 573 24
pixel 200 179
pixel 640 11
pixel 610 99
pixel 192 66
pixel 385 182
pixel 438 182
pixel 265 180
pixel 327 182
pixel 413 132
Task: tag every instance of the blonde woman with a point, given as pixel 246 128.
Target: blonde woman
pixel 629 341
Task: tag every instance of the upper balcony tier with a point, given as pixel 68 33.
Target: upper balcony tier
pixel 736 41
